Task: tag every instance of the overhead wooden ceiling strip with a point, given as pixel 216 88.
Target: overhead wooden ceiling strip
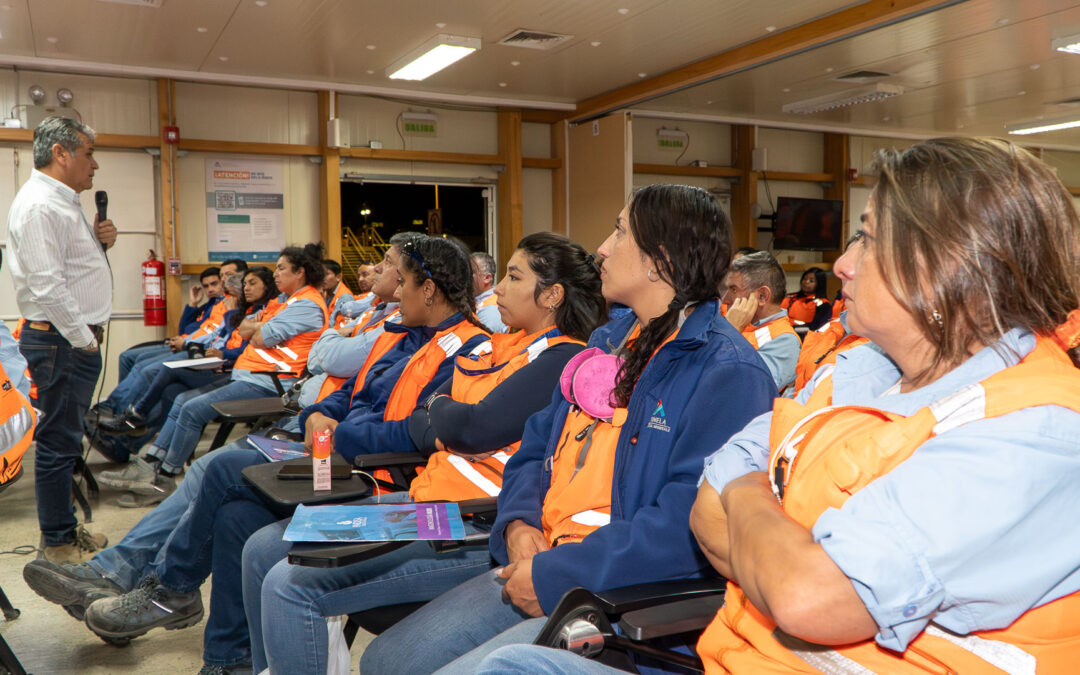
pixel 846 23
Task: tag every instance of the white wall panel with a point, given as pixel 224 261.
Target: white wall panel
pixel 535 139
pixel 246 114
pixel 536 200
pixel 708 141
pixel 368 119
pixel 792 150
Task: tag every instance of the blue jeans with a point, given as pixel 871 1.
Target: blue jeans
pixel 132 361
pixel 137 554
pixel 65 379
pixel 460 626
pixel 189 415
pixel 287 605
pixel 529 659
pixel 210 538
pixel 163 377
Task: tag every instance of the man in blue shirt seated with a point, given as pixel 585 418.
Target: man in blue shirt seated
pixel 484 278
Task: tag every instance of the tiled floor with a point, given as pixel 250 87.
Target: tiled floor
pixel 45 638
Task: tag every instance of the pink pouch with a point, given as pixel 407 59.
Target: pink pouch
pixel 588 380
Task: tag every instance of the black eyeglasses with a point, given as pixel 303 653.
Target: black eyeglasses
pixel 409 248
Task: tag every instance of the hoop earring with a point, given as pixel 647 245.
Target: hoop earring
pixel 650 275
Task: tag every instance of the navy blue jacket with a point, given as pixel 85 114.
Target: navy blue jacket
pixel 361 427
pixel 697 391
pixel 192 317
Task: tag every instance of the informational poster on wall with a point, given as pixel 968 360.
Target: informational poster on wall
pixel 245 208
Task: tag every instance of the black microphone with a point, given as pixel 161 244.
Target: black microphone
pixel 101 198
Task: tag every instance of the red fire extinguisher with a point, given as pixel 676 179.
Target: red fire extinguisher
pixel 153 277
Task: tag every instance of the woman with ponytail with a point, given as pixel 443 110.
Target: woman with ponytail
pixel 599 493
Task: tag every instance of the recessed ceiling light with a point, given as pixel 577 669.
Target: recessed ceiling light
pixel 623 11
pixel 371 47
pixel 829 69
pixel 202 29
pixel 1002 22
pixel 1021 92
pixel 370 72
pixel 515 63
pixel 642 74
pixel 1042 126
pixel 52 39
pixel 440 25
pixel 595 43
pixel 769 29
pixel 886 118
pixel 786 89
pixel 502 84
pixel 223 58
pixel 432 56
pixel 260 3
pixel 708 102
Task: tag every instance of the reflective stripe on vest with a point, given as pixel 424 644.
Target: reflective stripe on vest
pixel 761 335
pixel 827 453
pixel 290 355
pixel 453 478
pixel 17 420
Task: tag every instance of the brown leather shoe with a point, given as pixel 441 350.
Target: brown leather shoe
pixel 81 549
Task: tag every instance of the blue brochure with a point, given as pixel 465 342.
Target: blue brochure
pixel 277 450
pixel 376 522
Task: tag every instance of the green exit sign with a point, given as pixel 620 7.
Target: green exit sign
pixel 670 143
pixel 419 128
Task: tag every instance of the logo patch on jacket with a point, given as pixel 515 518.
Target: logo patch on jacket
pixel 658 420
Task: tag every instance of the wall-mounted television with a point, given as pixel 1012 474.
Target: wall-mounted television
pixel 809 224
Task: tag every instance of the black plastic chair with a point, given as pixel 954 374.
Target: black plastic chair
pixel 252 411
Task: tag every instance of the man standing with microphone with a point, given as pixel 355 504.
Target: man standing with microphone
pixel 64 290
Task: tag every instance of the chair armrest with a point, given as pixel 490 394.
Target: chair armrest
pixel 340 555
pixel 380 460
pixel 274 376
pixel 681 616
pixel 249 408
pixel 630 598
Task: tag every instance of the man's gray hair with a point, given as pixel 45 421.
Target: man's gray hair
pixel 62 130
pixel 762 269
pixel 486 263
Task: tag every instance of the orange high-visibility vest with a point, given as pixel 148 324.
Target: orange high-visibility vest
pixel 383 344
pixel 423 365
pixel 17 420
pixel 801 310
pixel 341 290
pixel 15 334
pixel 333 383
pixel 820 347
pixel 759 335
pixel 834 453
pixel 449 477
pixel 289 357
pixel 210 325
pixel 838 306
pixel 579 498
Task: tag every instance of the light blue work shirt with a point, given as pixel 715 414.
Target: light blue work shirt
pixel 13 362
pixel 489 316
pixel 356 307
pixel 780 353
pixel 301 316
pixel 971 530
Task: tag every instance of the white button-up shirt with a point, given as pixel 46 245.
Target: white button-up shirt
pixel 60 271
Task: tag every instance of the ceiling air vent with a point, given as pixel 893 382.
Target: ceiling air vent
pixel 156 4
pixel 533 39
pixel 861 76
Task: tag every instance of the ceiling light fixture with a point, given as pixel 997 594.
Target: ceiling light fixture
pixel 843 99
pixel 1042 126
pixel 432 56
pixel 1069 43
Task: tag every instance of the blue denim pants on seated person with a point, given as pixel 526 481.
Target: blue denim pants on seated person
pixel 65 379
pixel 133 359
pixel 529 659
pixel 190 413
pixel 442 634
pixel 287 605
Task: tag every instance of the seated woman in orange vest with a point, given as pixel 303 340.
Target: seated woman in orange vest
pixel 280 338
pixel 905 514
pixel 599 492
pixel 809 305
pixel 819 349
pixel 409 360
pixel 755 286
pixel 551 296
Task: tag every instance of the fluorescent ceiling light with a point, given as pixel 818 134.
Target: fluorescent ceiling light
pixel 1042 126
pixel 432 56
pixel 844 99
pixel 1070 43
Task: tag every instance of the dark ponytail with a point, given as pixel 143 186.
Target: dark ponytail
pixel 447 265
pixel 554 259
pixel 687 237
pixel 309 258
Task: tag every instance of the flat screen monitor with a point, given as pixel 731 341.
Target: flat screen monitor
pixel 809 224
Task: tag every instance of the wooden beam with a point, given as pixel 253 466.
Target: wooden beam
pixel 100 141
pixel 1074 191
pixel 837 160
pixel 558 178
pixel 510 192
pixel 329 183
pixel 201 145
pixel 670 170
pixel 798 176
pixel 174 300
pixel 743 192
pixel 542 116
pixel 541 163
pixel 845 23
pixel 422 155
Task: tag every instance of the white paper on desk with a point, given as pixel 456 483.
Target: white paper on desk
pixel 205 363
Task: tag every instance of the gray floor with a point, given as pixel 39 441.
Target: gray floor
pixel 45 638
